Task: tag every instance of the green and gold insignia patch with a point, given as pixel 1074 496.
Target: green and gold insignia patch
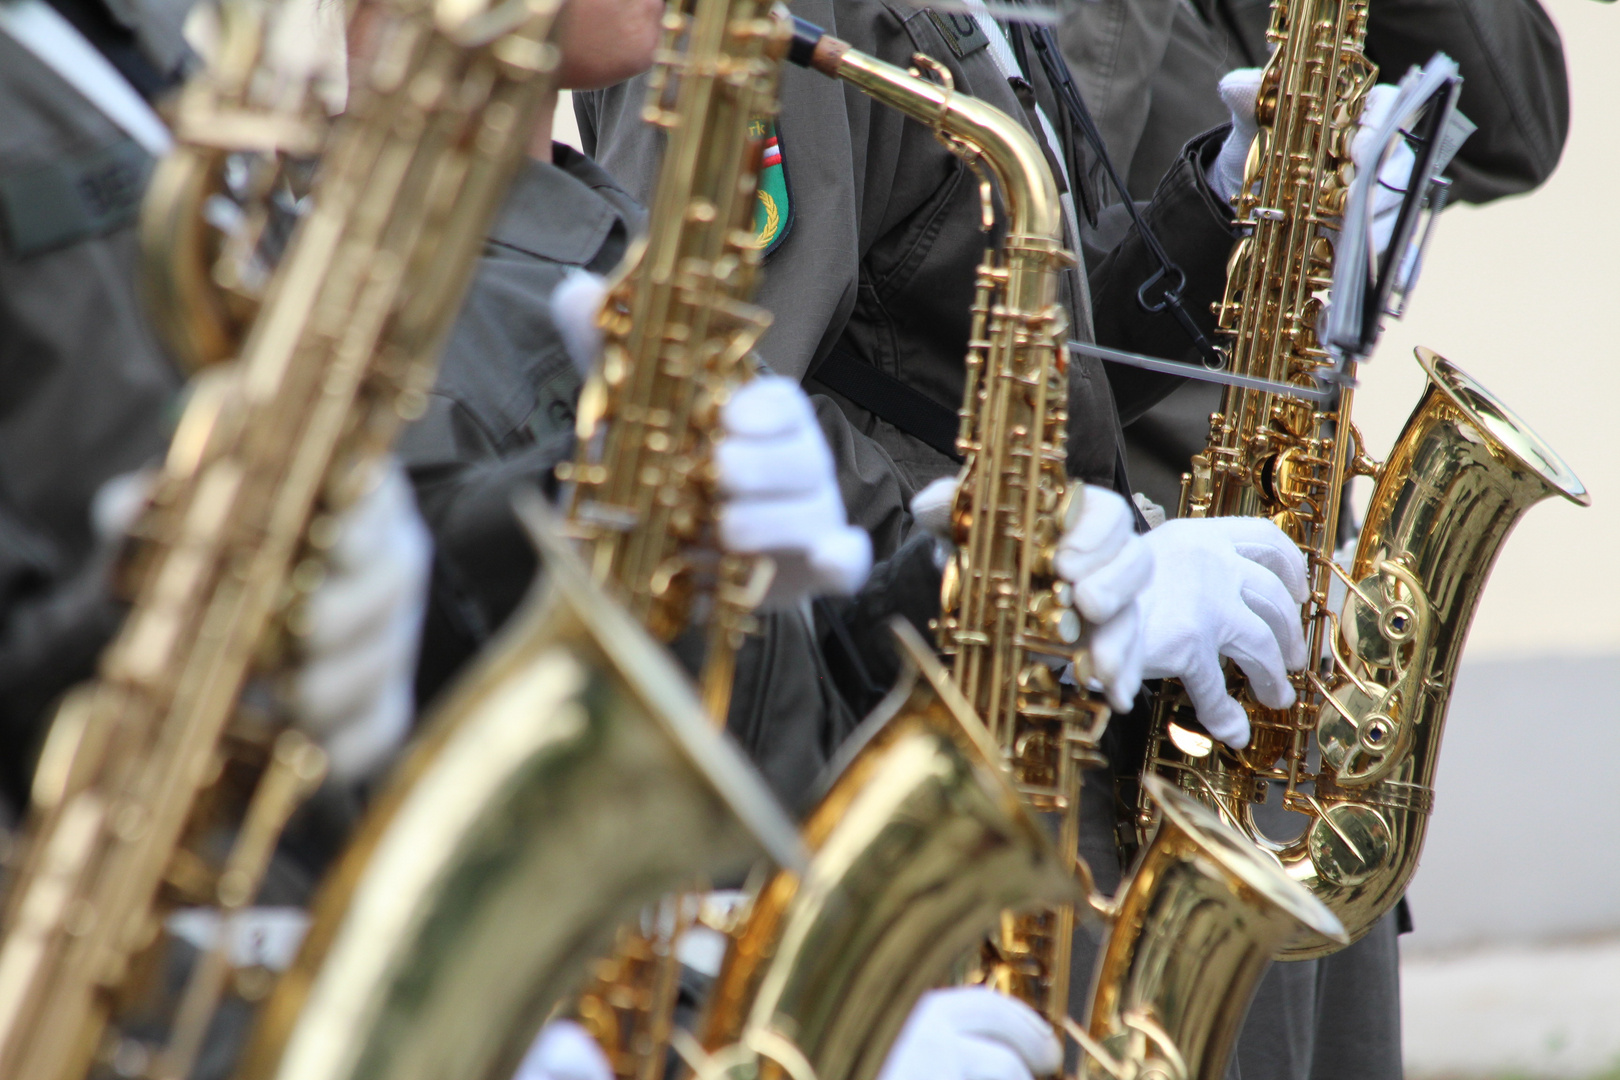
pixel 773 214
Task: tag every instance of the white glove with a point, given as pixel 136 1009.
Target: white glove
pixel 1109 566
pixel 564 1051
pixel 574 305
pixel 1225 587
pixel 931 507
pixel 972 1033
pixel 1396 172
pixel 353 690
pixel 1104 561
pixel 781 493
pixel 1240 90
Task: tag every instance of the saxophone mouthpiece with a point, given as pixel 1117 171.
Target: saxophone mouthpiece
pixel 812 47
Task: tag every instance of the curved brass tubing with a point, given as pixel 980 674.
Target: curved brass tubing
pixel 920 845
pixel 569 780
pixel 1463 472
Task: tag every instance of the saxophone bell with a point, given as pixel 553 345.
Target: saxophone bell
pixel 1463 472
pixel 920 845
pixel 568 781
pixel 1195 927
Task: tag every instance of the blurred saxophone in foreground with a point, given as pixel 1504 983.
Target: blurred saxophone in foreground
pixel 153 765
pixel 566 781
pixel 1356 754
pixel 829 966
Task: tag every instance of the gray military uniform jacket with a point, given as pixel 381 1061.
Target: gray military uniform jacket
pixel 879 260
pixel 502 415
pixel 85 389
pixel 501 411
pixel 1149 69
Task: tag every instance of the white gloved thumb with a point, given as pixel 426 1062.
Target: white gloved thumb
pixel 931 507
pixel 1374 111
pixel 842 559
pixel 118 503
pixel 1240 91
pixel 1395 170
pixel 781 493
pixel 564 1051
pixel 575 303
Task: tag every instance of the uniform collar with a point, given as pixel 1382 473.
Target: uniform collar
pixel 564 210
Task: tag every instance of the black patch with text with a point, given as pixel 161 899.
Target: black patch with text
pixel 961 32
pixel 61 202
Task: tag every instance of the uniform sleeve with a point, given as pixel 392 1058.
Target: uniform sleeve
pixel 1194 225
pixel 483 562
pixel 1515 86
pixel 53 625
pixel 1115 50
pixel 86 393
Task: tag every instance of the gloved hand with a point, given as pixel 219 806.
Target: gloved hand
pixel 1225 587
pixel 781 493
pixel 564 1051
pixel 1109 566
pixel 775 470
pixel 972 1033
pixel 1240 89
pixel 353 689
pixel 574 304
pixel 1105 563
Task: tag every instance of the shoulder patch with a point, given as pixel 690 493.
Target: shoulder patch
pixel 773 212
pixel 962 32
pixel 63 201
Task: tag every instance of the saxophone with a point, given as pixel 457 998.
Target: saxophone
pixel 920 845
pixel 1356 754
pixel 148 765
pixel 806 984
pixel 678 335
pixel 570 779
pixel 624 796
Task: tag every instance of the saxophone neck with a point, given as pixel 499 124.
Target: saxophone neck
pixel 980 133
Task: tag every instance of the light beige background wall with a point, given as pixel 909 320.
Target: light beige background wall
pixel 1524 294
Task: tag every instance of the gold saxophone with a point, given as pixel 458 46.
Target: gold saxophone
pixel 625 794
pixel 149 764
pixel 679 332
pixel 1460 475
pixel 808 983
pixel 570 779
pixel 919 847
